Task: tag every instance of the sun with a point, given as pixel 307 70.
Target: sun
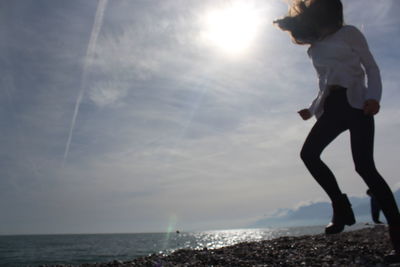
pixel 232 28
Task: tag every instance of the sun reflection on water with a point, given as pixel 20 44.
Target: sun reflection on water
pixel 221 238
pixel 218 239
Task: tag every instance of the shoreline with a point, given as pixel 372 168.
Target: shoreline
pixel 364 247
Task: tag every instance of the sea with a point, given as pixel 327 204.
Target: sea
pixel 75 249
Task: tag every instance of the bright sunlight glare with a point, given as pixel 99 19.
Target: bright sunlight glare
pixel 232 28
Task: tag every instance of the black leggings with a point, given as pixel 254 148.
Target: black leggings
pixel 338 117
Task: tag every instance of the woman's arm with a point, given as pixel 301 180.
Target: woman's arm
pixel 359 44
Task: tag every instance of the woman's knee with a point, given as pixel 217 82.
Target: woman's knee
pixel 308 155
pixel 366 169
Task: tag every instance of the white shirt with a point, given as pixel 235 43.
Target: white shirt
pixel 343 58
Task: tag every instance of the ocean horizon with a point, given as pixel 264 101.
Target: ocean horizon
pixel 75 249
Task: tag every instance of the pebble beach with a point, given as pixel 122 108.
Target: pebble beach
pixel 365 247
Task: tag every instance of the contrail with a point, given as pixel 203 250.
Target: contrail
pixel 98 21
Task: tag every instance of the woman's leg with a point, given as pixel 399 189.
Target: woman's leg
pixel 362 146
pixel 323 132
pixel 327 128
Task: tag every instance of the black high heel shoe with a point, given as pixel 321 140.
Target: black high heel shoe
pixel 342 215
pixel 394 233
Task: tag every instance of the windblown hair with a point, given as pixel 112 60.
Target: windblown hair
pixel 310 20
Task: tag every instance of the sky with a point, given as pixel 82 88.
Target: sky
pixel 156 115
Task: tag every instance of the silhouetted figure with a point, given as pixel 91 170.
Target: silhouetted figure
pixel 342 59
pixel 375 208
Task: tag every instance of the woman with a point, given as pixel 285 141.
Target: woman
pixel 341 57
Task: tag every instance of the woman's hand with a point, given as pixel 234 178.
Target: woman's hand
pixel 371 107
pixel 305 114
